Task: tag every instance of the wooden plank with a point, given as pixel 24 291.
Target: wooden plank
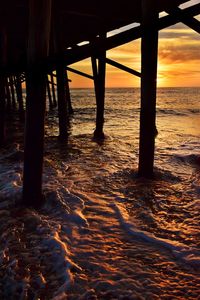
pixel 38 46
pixel 149 50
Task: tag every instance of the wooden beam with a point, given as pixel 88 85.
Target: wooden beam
pixel 38 47
pixel 81 52
pixel 69 57
pixel 80 73
pixel 184 18
pixel 122 67
pixel 149 49
pixel 55 76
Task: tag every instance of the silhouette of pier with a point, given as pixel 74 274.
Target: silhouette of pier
pixel 39 40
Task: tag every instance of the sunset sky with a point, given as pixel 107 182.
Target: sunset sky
pixel 179 61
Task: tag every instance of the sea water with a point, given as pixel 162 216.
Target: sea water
pixel 104 233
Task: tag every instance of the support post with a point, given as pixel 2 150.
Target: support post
pixel 53 91
pixel 99 73
pixel 8 96
pixel 148 87
pixel 3 59
pixel 38 47
pixel 62 102
pixel 2 109
pixel 18 86
pixel 12 92
pixel 49 93
pixel 58 47
pixel 69 103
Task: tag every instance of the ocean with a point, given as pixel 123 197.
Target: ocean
pixel 103 232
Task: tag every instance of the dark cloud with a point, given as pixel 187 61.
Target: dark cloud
pixel 175 33
pixel 179 73
pixel 178 52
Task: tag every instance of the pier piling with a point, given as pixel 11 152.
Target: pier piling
pixel 148 87
pixel 62 102
pixel 8 96
pixel 12 90
pixel 18 87
pixel 49 93
pixel 2 109
pixel 69 103
pixel 38 46
pixel 53 90
pixel 99 73
pixel 3 60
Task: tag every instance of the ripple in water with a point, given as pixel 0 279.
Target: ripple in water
pixel 104 233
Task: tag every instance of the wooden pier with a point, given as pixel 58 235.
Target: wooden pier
pixel 39 40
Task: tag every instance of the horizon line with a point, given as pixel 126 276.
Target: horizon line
pixel 135 87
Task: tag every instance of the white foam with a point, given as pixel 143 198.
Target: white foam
pixel 59 259
pixel 179 251
pixel 71 206
pixel 10 188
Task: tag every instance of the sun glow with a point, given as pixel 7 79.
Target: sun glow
pixel 178 61
pixel 163 69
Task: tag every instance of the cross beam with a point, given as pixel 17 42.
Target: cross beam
pixel 81 52
pixel 184 18
pixel 122 67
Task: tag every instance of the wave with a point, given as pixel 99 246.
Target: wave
pixel 190 159
pixel 177 112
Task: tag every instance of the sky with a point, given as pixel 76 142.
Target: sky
pixel 178 61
